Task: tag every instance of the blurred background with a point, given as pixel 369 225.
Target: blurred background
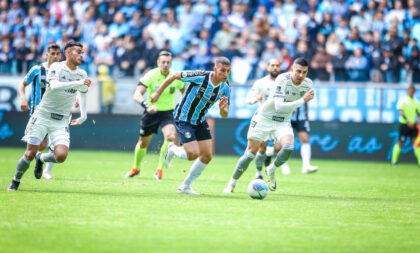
pixel 363 55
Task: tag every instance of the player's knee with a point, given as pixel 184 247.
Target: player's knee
pixel 205 158
pixel 288 147
pixel 170 137
pixel 192 155
pixel 263 149
pixel 60 157
pixel 42 146
pixel 30 154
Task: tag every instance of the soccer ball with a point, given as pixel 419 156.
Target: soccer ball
pixel 257 189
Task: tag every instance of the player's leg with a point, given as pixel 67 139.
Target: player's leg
pixel 189 149
pixel 169 135
pixel 413 134
pixel 47 171
pixel 243 163
pixel 259 160
pixel 24 162
pixel 403 133
pixel 305 153
pixel 139 153
pixel 202 157
pixel 205 151
pixel 284 136
pixel 60 138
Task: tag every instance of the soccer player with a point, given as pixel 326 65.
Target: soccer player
pixel 300 123
pixel 292 90
pixel 205 88
pixel 37 76
pixel 52 115
pixel 259 93
pixel 159 114
pixel 408 108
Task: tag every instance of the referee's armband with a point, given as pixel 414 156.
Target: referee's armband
pixel 145 105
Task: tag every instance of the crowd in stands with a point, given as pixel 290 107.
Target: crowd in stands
pixel 344 40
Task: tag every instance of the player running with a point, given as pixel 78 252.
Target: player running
pixel 300 123
pixel 292 90
pixel 409 109
pixel 52 115
pixel 205 88
pixel 259 93
pixel 37 76
pixel 159 114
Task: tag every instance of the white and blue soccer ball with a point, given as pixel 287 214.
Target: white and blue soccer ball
pixel 257 189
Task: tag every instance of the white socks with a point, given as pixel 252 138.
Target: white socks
pixel 305 152
pixel 179 151
pixel 195 171
pixel 48 168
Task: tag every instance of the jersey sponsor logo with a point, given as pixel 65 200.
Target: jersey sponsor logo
pixel 302 93
pixel 278 89
pixel 72 91
pixel 278 118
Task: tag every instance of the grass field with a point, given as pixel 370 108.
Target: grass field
pixel 347 206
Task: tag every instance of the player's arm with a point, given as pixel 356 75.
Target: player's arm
pixel 83 110
pixel 139 98
pixel 57 85
pixel 281 105
pixel 182 90
pixel 21 90
pixel 173 76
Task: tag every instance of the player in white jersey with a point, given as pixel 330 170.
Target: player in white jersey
pixel 260 92
pixel 292 89
pixel 37 77
pixel 52 115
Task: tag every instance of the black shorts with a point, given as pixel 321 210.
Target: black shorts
pixel 188 133
pixel 301 126
pixel 150 123
pixel 405 132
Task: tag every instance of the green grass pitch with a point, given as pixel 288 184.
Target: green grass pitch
pixel 347 206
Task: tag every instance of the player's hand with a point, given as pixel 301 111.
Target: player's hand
pixel 155 97
pixel 410 124
pixel 74 123
pixel 259 98
pixel 152 109
pixel 87 82
pixel 223 103
pixel 309 96
pixel 24 105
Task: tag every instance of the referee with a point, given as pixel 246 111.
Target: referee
pixel 408 108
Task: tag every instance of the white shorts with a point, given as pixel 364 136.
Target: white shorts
pixel 262 129
pixel 41 123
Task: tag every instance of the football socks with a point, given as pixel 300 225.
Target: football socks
pixel 243 164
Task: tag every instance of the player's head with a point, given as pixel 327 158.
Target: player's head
pixel 411 90
pixel 299 70
pixel 221 69
pixel 273 67
pixel 74 52
pixel 164 61
pixel 53 53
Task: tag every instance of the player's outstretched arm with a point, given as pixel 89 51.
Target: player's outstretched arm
pixel 83 110
pixel 21 90
pixel 155 96
pixel 57 85
pixel 281 105
pixel 224 107
pixel 139 98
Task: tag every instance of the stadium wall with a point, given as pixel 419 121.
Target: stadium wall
pixel 330 140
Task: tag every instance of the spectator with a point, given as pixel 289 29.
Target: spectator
pixel 337 66
pixel 223 37
pixel 119 27
pixel 232 51
pixel 357 65
pixel 319 63
pixel 390 66
pixel 362 22
pixel 413 65
pixel 104 55
pixel 375 51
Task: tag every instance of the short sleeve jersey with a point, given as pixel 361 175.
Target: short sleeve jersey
pixel 287 91
pixel 152 80
pixel 261 86
pixel 200 95
pixel 410 107
pixel 61 101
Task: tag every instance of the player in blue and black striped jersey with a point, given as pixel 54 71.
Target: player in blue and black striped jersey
pixel 37 78
pixel 204 88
